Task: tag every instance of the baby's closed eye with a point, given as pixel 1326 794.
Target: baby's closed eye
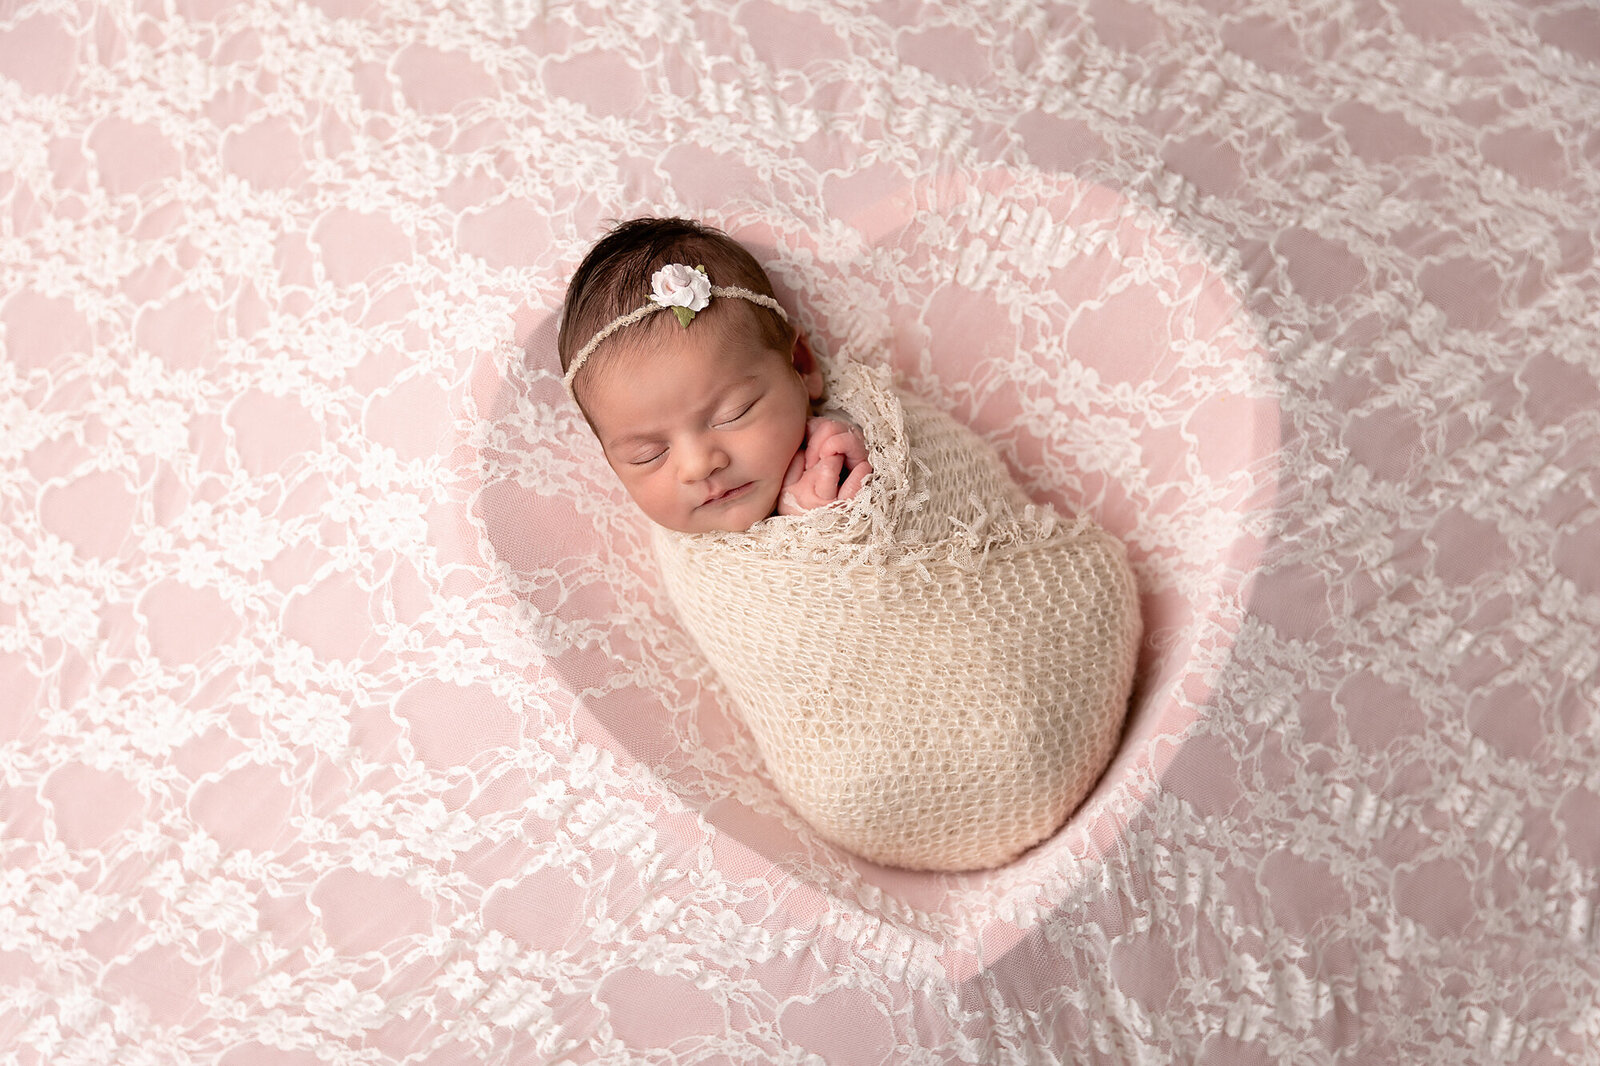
pixel 733 414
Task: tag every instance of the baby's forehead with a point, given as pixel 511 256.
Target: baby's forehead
pixel 716 369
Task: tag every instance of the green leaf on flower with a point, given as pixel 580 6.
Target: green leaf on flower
pixel 685 316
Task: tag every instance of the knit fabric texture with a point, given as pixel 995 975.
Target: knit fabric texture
pixel 935 672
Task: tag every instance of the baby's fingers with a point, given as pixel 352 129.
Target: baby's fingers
pixel 851 445
pixel 825 478
pixel 853 483
pixel 819 434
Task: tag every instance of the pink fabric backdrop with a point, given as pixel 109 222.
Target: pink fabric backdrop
pixel 342 719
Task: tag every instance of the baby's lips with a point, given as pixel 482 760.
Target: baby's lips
pixel 715 496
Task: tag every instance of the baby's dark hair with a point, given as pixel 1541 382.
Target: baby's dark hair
pixel 614 278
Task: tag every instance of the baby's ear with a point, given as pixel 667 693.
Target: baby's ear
pixel 806 364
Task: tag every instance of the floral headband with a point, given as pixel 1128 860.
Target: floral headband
pixel 686 291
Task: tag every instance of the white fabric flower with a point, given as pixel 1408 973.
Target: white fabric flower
pixel 684 289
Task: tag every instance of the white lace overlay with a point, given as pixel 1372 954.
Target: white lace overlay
pixel 341 716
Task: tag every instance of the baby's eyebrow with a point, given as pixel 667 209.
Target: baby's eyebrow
pixel 721 394
pixel 728 386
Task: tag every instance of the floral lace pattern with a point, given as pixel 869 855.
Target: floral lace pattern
pixel 341 716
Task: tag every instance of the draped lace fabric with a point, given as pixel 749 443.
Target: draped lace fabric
pixel 936 672
pixel 343 718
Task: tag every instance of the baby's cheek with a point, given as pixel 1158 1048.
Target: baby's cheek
pixel 647 496
pixel 768 504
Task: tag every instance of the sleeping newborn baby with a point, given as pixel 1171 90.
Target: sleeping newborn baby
pixel 934 668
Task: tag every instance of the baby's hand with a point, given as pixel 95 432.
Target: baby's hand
pixel 831 465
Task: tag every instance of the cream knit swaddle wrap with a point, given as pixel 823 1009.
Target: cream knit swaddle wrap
pixel 935 672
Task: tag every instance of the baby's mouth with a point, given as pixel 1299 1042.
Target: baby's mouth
pixel 731 494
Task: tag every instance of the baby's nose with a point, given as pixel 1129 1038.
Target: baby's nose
pixel 699 461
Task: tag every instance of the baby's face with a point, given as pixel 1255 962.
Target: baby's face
pixel 701 427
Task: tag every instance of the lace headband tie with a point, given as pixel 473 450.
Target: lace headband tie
pixel 685 291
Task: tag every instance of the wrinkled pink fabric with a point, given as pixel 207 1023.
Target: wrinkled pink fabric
pixel 341 714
